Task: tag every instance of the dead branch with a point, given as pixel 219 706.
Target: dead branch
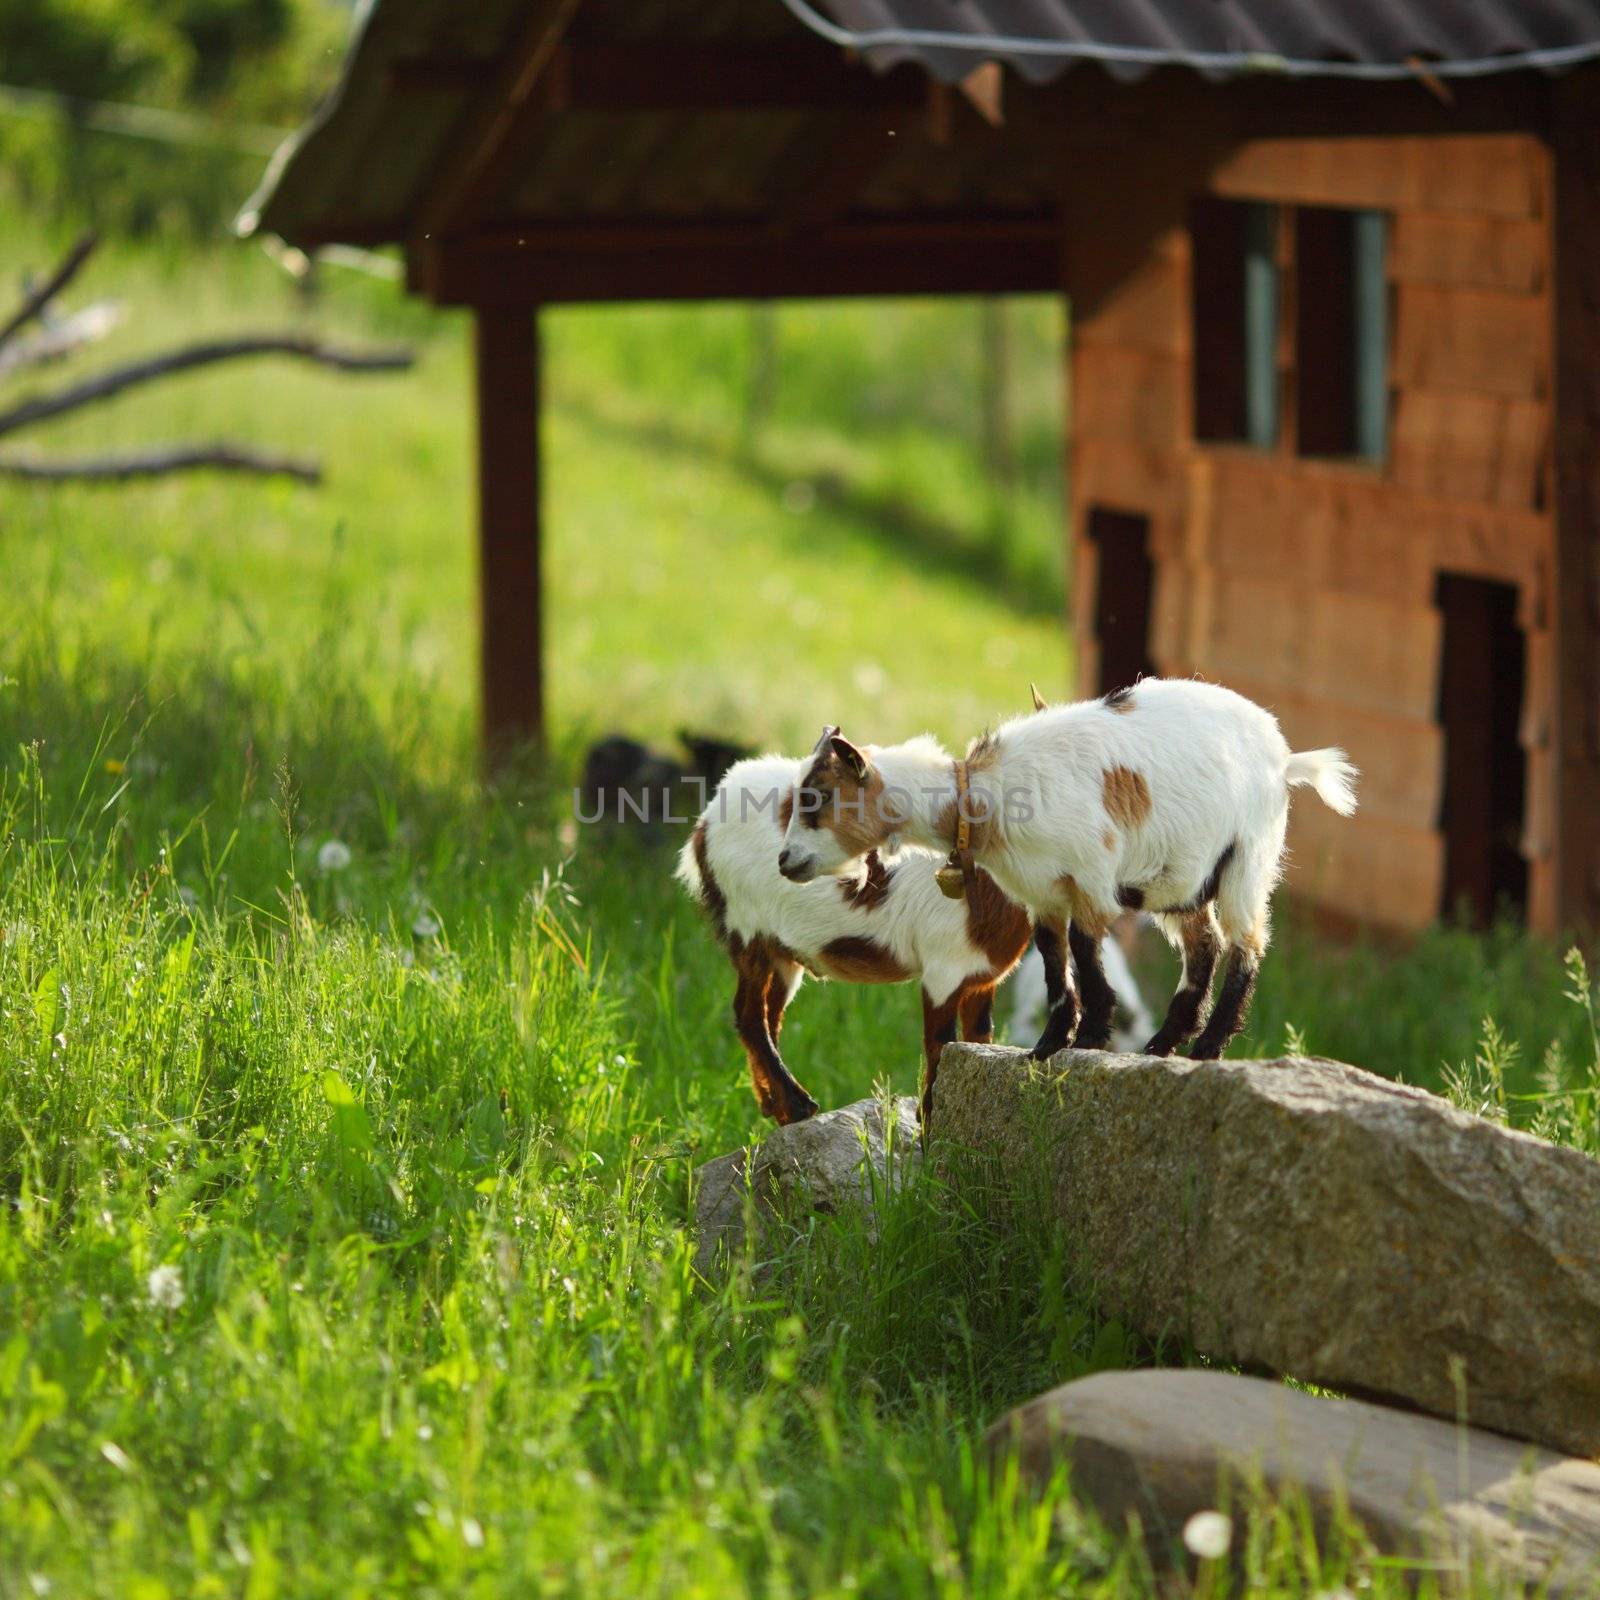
pixel 199 355
pixel 61 339
pixel 40 296
pixel 158 463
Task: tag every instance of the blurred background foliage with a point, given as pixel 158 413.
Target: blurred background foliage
pixel 239 68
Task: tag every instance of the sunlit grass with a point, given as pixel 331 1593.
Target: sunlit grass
pixel 347 1115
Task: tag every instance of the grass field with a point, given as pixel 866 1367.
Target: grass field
pixel 345 1247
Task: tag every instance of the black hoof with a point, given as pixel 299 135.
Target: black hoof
pixel 1158 1047
pixel 1053 1041
pixel 796 1110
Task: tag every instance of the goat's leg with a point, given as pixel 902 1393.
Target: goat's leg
pixel 1198 931
pixel 785 980
pixel 976 1005
pixel 1049 937
pixel 749 1003
pixel 938 1029
pixel 1099 998
pixel 778 1094
pixel 1233 1001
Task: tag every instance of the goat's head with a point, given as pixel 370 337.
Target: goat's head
pixel 839 811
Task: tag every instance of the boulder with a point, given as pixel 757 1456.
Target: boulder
pixel 828 1162
pixel 1163 1446
pixel 1308 1218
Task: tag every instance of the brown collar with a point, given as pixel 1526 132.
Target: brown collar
pixel 955 878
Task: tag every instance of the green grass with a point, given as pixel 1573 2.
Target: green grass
pixel 414 1133
pixel 671 561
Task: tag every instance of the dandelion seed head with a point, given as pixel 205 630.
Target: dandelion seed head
pixel 1207 1534
pixel 165 1286
pixel 334 856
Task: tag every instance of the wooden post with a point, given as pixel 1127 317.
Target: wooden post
pixel 507 345
pixel 1576 586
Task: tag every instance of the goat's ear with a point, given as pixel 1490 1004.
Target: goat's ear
pixel 849 754
pixel 1039 703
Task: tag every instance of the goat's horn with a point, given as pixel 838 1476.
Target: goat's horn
pixel 1038 699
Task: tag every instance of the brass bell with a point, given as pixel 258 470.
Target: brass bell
pixel 951 880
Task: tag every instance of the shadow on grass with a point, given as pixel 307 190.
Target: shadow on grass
pixel 1027 586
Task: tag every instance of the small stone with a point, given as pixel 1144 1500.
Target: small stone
pixel 828 1162
pixel 1166 1446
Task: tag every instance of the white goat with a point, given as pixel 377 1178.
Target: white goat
pixel 1171 796
pixel 879 922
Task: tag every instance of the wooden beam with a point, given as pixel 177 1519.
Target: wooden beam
pixel 482 155
pixel 666 76
pixel 961 255
pixel 832 165
pixel 1576 583
pixel 1172 105
pixel 507 351
pixel 440 74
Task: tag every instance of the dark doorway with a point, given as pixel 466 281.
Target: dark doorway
pixel 1480 707
pixel 1122 603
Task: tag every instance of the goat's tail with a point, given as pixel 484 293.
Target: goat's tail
pixel 1330 773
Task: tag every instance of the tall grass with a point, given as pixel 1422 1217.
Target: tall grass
pixel 346 1249
pixel 348 1106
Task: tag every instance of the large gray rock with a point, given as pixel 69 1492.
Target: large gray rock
pixel 826 1163
pixel 1305 1217
pixel 1162 1446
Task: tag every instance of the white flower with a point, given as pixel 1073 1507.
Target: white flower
pixel 1208 1534
pixel 472 1532
pixel 334 856
pixel 165 1285
pixel 425 925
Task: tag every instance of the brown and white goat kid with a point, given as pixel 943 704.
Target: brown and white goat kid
pixel 874 922
pixel 1171 797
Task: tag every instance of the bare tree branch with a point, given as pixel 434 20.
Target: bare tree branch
pixel 157 463
pixel 40 296
pixel 199 355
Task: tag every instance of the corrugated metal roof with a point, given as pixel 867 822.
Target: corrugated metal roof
pixel 360 170
pixel 1369 39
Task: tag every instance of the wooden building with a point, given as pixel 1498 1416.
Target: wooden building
pixel 1334 279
